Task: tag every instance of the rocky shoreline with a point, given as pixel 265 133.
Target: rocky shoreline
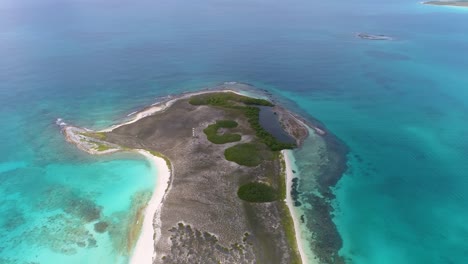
pixel 201 194
pixel 184 210
pixel 313 195
pixel 320 162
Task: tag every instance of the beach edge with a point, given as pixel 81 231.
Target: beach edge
pixel 306 259
pixel 144 251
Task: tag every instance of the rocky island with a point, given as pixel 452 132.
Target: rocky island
pixel 228 189
pixel 224 199
pixel 448 3
pixel 373 37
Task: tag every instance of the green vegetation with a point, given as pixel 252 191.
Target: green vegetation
pixel 160 155
pixel 286 218
pixel 102 147
pixel 96 135
pixel 257 192
pixel 282 177
pixel 253 115
pixel 226 123
pixel 212 132
pixel 245 237
pixel 248 154
pixel 226 100
pixel 247 104
pixel 288 223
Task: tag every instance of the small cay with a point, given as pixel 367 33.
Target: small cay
pixel 373 37
pixel 226 200
pixel 463 3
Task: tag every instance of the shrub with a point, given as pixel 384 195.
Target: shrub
pixel 226 123
pixel 251 112
pixel 226 100
pixel 248 154
pixel 102 147
pixel 257 192
pixel 212 132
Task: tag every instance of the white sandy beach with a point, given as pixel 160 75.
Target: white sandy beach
pixel 307 256
pixel 143 252
pixel 144 249
pixel 161 106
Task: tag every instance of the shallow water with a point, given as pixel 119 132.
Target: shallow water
pixel 400 106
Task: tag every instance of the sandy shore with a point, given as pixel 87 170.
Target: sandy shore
pixel 161 106
pixel 308 258
pixel 150 232
pixel 143 252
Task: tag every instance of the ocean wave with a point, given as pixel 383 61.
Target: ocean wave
pixel 60 122
pixel 160 99
pixel 132 113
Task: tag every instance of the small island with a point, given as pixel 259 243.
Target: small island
pixel 373 37
pixel 224 190
pixel 448 3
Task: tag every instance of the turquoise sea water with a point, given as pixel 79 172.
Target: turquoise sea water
pixel 400 106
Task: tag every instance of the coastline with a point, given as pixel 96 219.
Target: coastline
pixel 144 249
pixel 305 258
pixel 144 252
pixel 163 105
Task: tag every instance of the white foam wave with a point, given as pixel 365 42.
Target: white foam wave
pixel 132 113
pixel 60 122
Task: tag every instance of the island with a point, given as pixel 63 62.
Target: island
pixel 373 37
pixel 225 188
pixel 448 3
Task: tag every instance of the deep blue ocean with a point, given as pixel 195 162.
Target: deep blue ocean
pixel 400 106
